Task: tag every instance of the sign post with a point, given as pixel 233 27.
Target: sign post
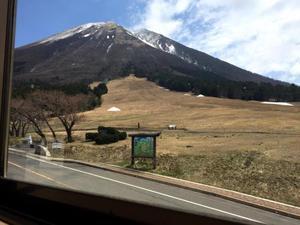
pixel 143 145
pixel 57 146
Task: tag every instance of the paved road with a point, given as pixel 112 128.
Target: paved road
pixel 94 180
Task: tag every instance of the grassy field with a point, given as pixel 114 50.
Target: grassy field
pixel 240 145
pixel 205 124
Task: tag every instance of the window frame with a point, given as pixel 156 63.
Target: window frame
pixel 16 196
pixel 7 38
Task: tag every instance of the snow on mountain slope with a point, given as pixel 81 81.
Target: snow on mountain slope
pixel 200 59
pixel 107 49
pixel 155 40
pixel 165 44
pixel 71 32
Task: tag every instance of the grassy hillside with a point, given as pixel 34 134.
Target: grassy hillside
pixel 244 146
pixel 205 124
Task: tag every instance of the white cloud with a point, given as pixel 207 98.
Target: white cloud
pixel 259 35
pixel 162 16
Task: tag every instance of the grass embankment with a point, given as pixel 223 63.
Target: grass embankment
pixel 249 172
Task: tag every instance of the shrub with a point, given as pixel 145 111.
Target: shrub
pixel 90 136
pixel 107 135
pixel 100 90
pixel 103 139
pixel 107 130
pixel 93 102
pixel 122 135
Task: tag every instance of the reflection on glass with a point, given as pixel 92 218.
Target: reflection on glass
pixel 81 88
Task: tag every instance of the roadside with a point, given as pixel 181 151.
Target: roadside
pixel 213 159
pixel 249 172
pixel 227 194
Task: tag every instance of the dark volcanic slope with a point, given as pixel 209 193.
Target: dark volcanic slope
pixel 201 59
pixel 94 52
pixel 106 50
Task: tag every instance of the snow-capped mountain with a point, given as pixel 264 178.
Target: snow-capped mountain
pixel 96 51
pixel 80 29
pixel 156 40
pixel 91 52
pixel 198 58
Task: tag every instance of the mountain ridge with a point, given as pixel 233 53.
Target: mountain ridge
pixel 201 59
pixel 37 54
pixel 104 51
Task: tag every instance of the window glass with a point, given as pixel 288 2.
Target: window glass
pixel 161 102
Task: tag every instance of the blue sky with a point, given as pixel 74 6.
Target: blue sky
pixel 37 19
pixel 261 36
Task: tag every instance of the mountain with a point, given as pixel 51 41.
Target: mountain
pixel 94 51
pixel 200 59
pixel 104 51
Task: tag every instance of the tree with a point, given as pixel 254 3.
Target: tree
pixel 34 117
pixel 40 101
pixel 18 124
pixel 67 109
pixel 100 90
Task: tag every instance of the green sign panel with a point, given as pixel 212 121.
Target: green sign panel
pixel 143 147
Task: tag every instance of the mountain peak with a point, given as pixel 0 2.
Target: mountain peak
pixel 107 50
pixel 79 29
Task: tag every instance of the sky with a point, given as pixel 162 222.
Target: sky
pixel 262 36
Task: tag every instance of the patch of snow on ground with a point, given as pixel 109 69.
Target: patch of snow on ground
pixel 187 94
pixel 86 35
pixel 32 70
pixel 161 47
pixel 146 42
pixel 114 109
pixel 200 96
pixel 171 49
pixel 278 103
pixel 129 33
pixel 109 47
pixel 98 33
pixel 148 38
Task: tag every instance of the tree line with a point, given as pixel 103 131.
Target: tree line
pixel 224 88
pixel 211 84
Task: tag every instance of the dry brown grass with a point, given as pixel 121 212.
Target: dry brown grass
pixel 207 124
pixel 211 124
pixel 244 146
pixel 251 172
pixel 144 102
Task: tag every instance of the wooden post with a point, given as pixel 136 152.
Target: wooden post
pixel 154 153
pixel 132 150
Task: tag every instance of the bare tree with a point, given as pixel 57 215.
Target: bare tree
pixel 19 125
pixel 41 102
pixel 34 117
pixel 24 127
pixel 67 109
pixel 39 107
